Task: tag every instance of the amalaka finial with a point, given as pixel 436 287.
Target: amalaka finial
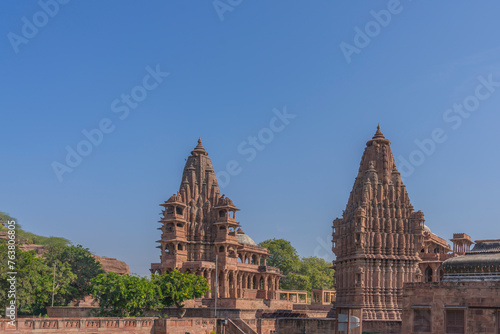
pixel 378 134
pixel 199 149
pixel 378 138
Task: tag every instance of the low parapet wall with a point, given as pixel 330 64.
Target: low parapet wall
pixel 69 325
pixel 196 312
pixel 109 325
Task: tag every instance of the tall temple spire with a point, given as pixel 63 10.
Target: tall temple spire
pixel 199 227
pixel 378 234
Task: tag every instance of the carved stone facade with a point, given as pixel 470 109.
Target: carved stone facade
pixel 435 251
pixel 200 235
pixel 378 239
pixel 467 298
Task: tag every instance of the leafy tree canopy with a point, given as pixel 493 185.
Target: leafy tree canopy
pixel 125 296
pixel 129 295
pixel 294 281
pixel 177 287
pixel 319 272
pixel 282 255
pixel 34 281
pixel 82 264
pixel 300 274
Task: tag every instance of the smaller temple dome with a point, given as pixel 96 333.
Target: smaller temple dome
pixel 427 229
pixel 244 239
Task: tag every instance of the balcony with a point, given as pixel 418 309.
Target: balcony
pixel 271 270
pixel 173 216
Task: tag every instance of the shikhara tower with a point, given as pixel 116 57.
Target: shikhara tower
pixel 378 238
pixel 199 224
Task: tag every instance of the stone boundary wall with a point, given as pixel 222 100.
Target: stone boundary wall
pixel 109 325
pixel 71 325
pixel 185 325
pixel 198 312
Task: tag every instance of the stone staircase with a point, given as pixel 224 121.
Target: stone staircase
pixel 244 326
pixel 232 328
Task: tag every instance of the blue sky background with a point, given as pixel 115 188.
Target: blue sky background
pixel 226 77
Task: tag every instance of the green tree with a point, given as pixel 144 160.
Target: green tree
pixel 34 280
pixel 294 281
pixel 82 264
pixel 125 296
pixel 299 274
pixel 282 255
pixel 318 271
pixel 177 287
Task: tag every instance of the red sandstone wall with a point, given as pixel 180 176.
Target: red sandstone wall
pixel 110 325
pixel 480 298
pixel 90 325
pixel 190 325
pixel 300 326
pixel 266 326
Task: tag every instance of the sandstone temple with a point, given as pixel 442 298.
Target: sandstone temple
pixel 200 235
pixel 378 239
pixel 382 244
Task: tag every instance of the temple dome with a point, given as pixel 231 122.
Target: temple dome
pixel 244 239
pixel 427 229
pixel 484 258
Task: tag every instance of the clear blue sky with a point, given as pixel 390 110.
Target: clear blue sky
pixel 225 79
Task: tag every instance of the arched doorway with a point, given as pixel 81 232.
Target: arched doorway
pixel 428 274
